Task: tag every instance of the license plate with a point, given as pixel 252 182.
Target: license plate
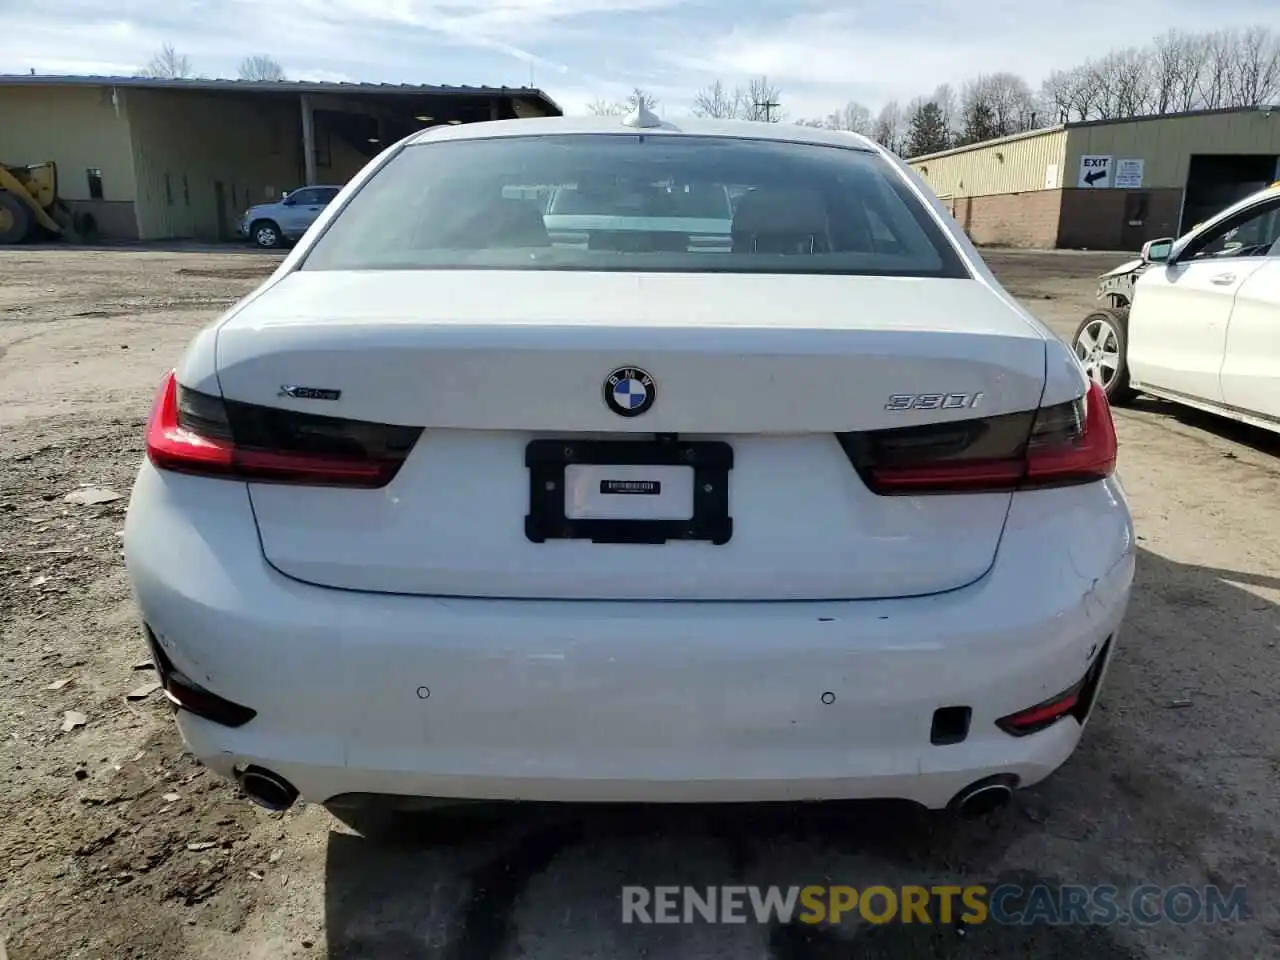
pixel 628 491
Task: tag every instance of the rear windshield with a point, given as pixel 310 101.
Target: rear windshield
pixel 626 202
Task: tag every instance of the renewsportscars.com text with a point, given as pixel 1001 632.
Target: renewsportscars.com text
pixel 1065 904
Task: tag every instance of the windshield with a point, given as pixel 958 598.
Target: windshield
pixel 637 202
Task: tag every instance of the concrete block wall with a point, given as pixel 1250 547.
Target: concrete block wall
pixel 1072 218
pixel 1010 219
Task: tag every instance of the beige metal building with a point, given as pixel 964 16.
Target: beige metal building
pixel 164 159
pixel 1106 184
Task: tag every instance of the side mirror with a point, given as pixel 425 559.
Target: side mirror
pixel 1157 251
pixel 287 201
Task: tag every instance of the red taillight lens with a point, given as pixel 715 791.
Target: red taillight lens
pixel 1055 446
pixel 1073 443
pixel 171 446
pixel 1076 701
pixel 195 433
pixel 1041 716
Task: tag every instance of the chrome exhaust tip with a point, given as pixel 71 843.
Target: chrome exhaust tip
pixel 267 789
pixel 984 797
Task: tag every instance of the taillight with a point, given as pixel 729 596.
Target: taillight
pixel 1076 701
pixel 196 433
pixel 1042 715
pixel 1060 445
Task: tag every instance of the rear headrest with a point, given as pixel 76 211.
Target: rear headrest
pixel 519 223
pixel 502 223
pixel 781 211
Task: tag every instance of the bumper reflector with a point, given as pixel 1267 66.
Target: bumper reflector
pixel 188 695
pixel 1076 701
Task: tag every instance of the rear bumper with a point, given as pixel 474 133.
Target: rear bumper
pixel 626 701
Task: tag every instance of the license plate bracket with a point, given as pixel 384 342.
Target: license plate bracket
pixel 547 460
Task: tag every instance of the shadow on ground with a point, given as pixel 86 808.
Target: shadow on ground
pixel 1263 441
pixel 483 882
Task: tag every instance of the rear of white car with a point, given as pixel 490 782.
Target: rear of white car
pixel 454 507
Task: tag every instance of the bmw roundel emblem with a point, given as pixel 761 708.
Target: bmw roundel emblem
pixel 629 391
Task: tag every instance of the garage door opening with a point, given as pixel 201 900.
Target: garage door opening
pixel 1217 181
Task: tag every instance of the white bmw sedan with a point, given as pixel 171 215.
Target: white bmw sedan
pixel 447 509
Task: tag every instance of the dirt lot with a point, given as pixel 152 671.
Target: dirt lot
pixel 115 845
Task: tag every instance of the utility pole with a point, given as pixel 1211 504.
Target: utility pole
pixel 768 106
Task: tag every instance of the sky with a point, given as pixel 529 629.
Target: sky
pixel 818 53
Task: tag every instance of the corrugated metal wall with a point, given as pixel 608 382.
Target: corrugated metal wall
pixel 1009 166
pixel 78 128
pixel 185 144
pixel 1166 144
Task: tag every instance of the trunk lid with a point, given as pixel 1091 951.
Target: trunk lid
pixel 773 366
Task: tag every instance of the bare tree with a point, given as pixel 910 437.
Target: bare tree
pixel 617 108
pixel 1073 94
pixel 261 67
pixel 1012 105
pixel 1096 74
pixel 1058 93
pixel 641 98
pixel 1177 60
pixel 607 108
pixel 1255 77
pixel 852 116
pixel 949 105
pixel 168 64
pixel 718 102
pixel 1214 82
pixel 888 130
pixel 761 101
pixel 1174 73
pixel 1127 82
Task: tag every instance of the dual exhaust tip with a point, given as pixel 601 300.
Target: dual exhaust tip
pixel 275 793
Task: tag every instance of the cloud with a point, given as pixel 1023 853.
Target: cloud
pixel 410 39
pixel 820 53
pixel 904 49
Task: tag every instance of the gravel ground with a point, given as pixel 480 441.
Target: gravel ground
pixel 117 845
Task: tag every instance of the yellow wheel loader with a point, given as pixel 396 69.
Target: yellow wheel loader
pixel 30 207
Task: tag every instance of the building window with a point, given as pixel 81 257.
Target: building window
pixel 168 190
pixel 95 183
pixel 186 191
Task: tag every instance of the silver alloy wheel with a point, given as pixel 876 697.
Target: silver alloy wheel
pixel 1098 348
pixel 266 236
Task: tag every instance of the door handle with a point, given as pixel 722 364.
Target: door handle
pixel 1223 279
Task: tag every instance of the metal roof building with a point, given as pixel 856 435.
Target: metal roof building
pixel 1106 184
pixel 160 159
